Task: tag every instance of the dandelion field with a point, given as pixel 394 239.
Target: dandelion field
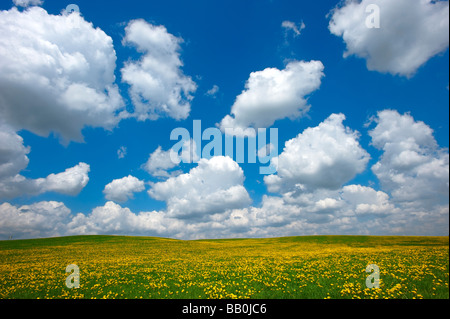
pixel 312 267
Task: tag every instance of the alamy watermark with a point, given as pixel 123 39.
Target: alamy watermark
pixel 259 148
pixel 73 19
pixel 373 19
pixel 373 280
pixel 73 280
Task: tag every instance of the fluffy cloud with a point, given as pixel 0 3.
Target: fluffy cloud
pixel 56 74
pixel 354 209
pixel 291 26
pixel 274 94
pixel 215 185
pixel 13 154
pixel 43 219
pixel 69 182
pixel 363 200
pixel 26 3
pixel 211 202
pixel 120 190
pixel 158 86
pixel 13 159
pixel 412 168
pixel 117 220
pixel 326 156
pixel 160 162
pixel 410 33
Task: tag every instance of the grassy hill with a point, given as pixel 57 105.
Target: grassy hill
pixel 287 267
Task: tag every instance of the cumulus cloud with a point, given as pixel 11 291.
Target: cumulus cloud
pixel 56 74
pixel 363 200
pixel 42 219
pixel 69 182
pixel 13 154
pixel 210 201
pixel 265 150
pixel 158 86
pixel 213 186
pixel 13 159
pixel 160 163
pixel 274 94
pixel 413 168
pixel 27 3
pixel 117 220
pixel 120 190
pixel 410 33
pixel 326 156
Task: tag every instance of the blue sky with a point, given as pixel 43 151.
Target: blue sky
pixel 381 170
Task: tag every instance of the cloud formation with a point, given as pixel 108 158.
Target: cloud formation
pixel 410 33
pixel 13 159
pixel 27 3
pixel 161 163
pixel 56 74
pixel 121 152
pixel 213 186
pixel 291 26
pixel 70 182
pixel 42 219
pixel 158 86
pixel 312 194
pixel 114 219
pixel 13 154
pixel 412 168
pixel 326 156
pixel 121 190
pixel 274 94
pixel 212 92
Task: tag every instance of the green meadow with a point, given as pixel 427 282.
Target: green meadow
pixel 310 267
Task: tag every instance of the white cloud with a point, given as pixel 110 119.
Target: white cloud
pixel 274 94
pixel 158 86
pixel 213 91
pixel 410 33
pixel 412 168
pixel 291 26
pixel 27 3
pixel 43 219
pixel 13 159
pixel 160 162
pixel 120 190
pixel 122 152
pixel 56 74
pixel 215 185
pixel 266 150
pixel 69 182
pixel 326 156
pixel 117 220
pixel 363 200
pixel 13 154
pixel 211 201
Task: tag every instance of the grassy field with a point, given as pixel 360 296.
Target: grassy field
pixel 282 268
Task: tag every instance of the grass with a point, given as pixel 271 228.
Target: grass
pixel 311 267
